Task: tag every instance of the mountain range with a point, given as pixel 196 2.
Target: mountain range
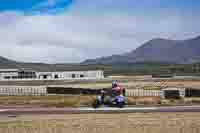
pixel 43 67
pixel 157 50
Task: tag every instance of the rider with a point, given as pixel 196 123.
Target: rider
pixel 102 96
pixel 117 89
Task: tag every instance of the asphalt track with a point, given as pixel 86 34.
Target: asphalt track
pixel 22 111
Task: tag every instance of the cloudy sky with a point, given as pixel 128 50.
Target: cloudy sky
pixel 57 31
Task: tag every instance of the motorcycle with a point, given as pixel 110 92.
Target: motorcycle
pixel 111 101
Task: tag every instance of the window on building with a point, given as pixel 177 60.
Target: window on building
pixel 56 76
pixel 14 77
pixel 26 74
pixel 44 76
pixel 81 76
pixel 73 75
pixel 7 77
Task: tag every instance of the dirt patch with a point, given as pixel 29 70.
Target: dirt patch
pixel 107 123
pixel 144 100
pixel 87 100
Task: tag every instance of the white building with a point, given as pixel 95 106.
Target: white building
pixel 17 74
pixel 96 74
pixel 8 73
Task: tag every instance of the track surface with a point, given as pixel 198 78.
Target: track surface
pixel 18 111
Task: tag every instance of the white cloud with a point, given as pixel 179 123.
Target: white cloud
pixel 43 53
pixel 75 36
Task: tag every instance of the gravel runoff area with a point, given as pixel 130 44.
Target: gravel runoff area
pixel 182 122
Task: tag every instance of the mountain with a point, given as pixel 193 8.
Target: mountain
pixel 11 64
pixel 157 50
pixel 7 63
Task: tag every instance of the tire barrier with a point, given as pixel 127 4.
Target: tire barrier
pixel 64 91
pixel 172 94
pixel 191 92
pixel 76 91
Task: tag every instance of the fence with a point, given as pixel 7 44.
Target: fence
pixel 139 92
pixel 44 90
pixel 22 90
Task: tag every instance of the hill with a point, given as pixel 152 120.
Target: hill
pixel 155 56
pixel 11 64
pixel 157 50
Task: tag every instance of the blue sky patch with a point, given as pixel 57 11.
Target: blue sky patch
pixel 31 6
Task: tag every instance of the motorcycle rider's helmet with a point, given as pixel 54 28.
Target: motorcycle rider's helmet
pixel 114 84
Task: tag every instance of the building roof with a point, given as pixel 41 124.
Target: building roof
pixel 9 70
pixel 46 70
pixel 40 67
